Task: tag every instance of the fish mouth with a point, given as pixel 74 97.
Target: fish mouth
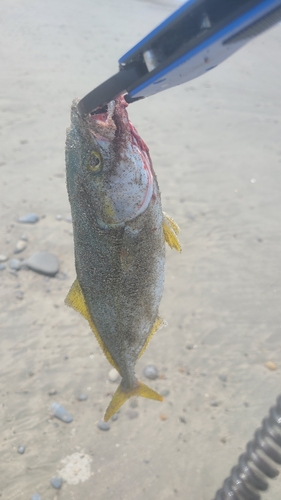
pixel 100 121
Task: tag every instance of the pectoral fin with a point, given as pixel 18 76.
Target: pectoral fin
pixel 121 396
pixel 75 299
pixel 171 229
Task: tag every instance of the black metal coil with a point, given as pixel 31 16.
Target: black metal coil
pixel 249 476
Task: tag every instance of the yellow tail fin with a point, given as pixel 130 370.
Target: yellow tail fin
pixel 121 396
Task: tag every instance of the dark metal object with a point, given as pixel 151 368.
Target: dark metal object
pixel 249 477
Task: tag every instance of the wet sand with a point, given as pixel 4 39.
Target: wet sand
pixel 215 145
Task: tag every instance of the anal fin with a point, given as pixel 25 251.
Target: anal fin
pixel 121 396
pixel 76 300
pixel 171 229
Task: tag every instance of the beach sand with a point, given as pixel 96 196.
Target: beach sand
pixel 215 145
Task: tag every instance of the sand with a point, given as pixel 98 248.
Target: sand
pixel 215 144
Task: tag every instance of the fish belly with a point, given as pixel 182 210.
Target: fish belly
pixel 121 273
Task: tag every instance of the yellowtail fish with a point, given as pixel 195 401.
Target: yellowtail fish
pixel 119 233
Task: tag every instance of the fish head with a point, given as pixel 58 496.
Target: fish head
pixel 108 164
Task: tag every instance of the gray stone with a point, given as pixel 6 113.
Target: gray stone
pixel 151 372
pixel 21 449
pixel 223 377
pixel 52 392
pixel 182 420
pixel 58 217
pixel 56 482
pixel 82 397
pixel 28 218
pixel 43 263
pixel 15 264
pixel 114 417
pixel 214 402
pixel 131 414
pixel 20 246
pixel 133 403
pixel 3 258
pixel 103 426
pixel 2 267
pixel 36 497
pixel 61 413
pixel 165 393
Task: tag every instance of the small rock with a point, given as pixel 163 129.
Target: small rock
pixel 68 218
pixel 182 419
pixel 271 365
pixel 20 246
pixel 223 440
pixel 113 375
pixel 21 449
pixel 3 258
pixel 56 482
pixel 165 393
pixel 19 295
pixel 82 397
pixel 58 217
pixel 115 417
pixel 151 372
pixel 43 263
pixel 189 346
pixel 24 237
pixel 28 218
pixel 214 402
pixel 131 414
pixel 15 264
pixel 61 413
pixel 133 403
pixel 2 267
pixel 103 426
pixel 163 417
pixel 223 377
pixel 52 392
pixel 36 497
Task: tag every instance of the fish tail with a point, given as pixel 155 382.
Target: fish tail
pixel 121 396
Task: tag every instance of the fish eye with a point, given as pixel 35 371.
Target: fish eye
pixel 94 161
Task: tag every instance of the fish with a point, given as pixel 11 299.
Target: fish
pixel 119 232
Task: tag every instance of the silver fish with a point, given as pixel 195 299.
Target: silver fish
pixel 119 238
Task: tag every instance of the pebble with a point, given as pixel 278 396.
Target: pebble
pixel 82 397
pixel 151 372
pixel 28 218
pixel 115 417
pixel 2 267
pixel 61 413
pixel 165 393
pixel 19 295
pixel 133 403
pixel 21 449
pixel 36 497
pixel 103 426
pixel 113 375
pixel 15 264
pixel 182 420
pixel 58 217
pixel 56 482
pixel 271 365
pixel 52 392
pixel 131 414
pixel 223 377
pixel 214 402
pixel 68 218
pixel 43 263
pixel 24 237
pixel 20 246
pixel 3 258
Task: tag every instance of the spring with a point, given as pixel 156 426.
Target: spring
pixel 249 476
